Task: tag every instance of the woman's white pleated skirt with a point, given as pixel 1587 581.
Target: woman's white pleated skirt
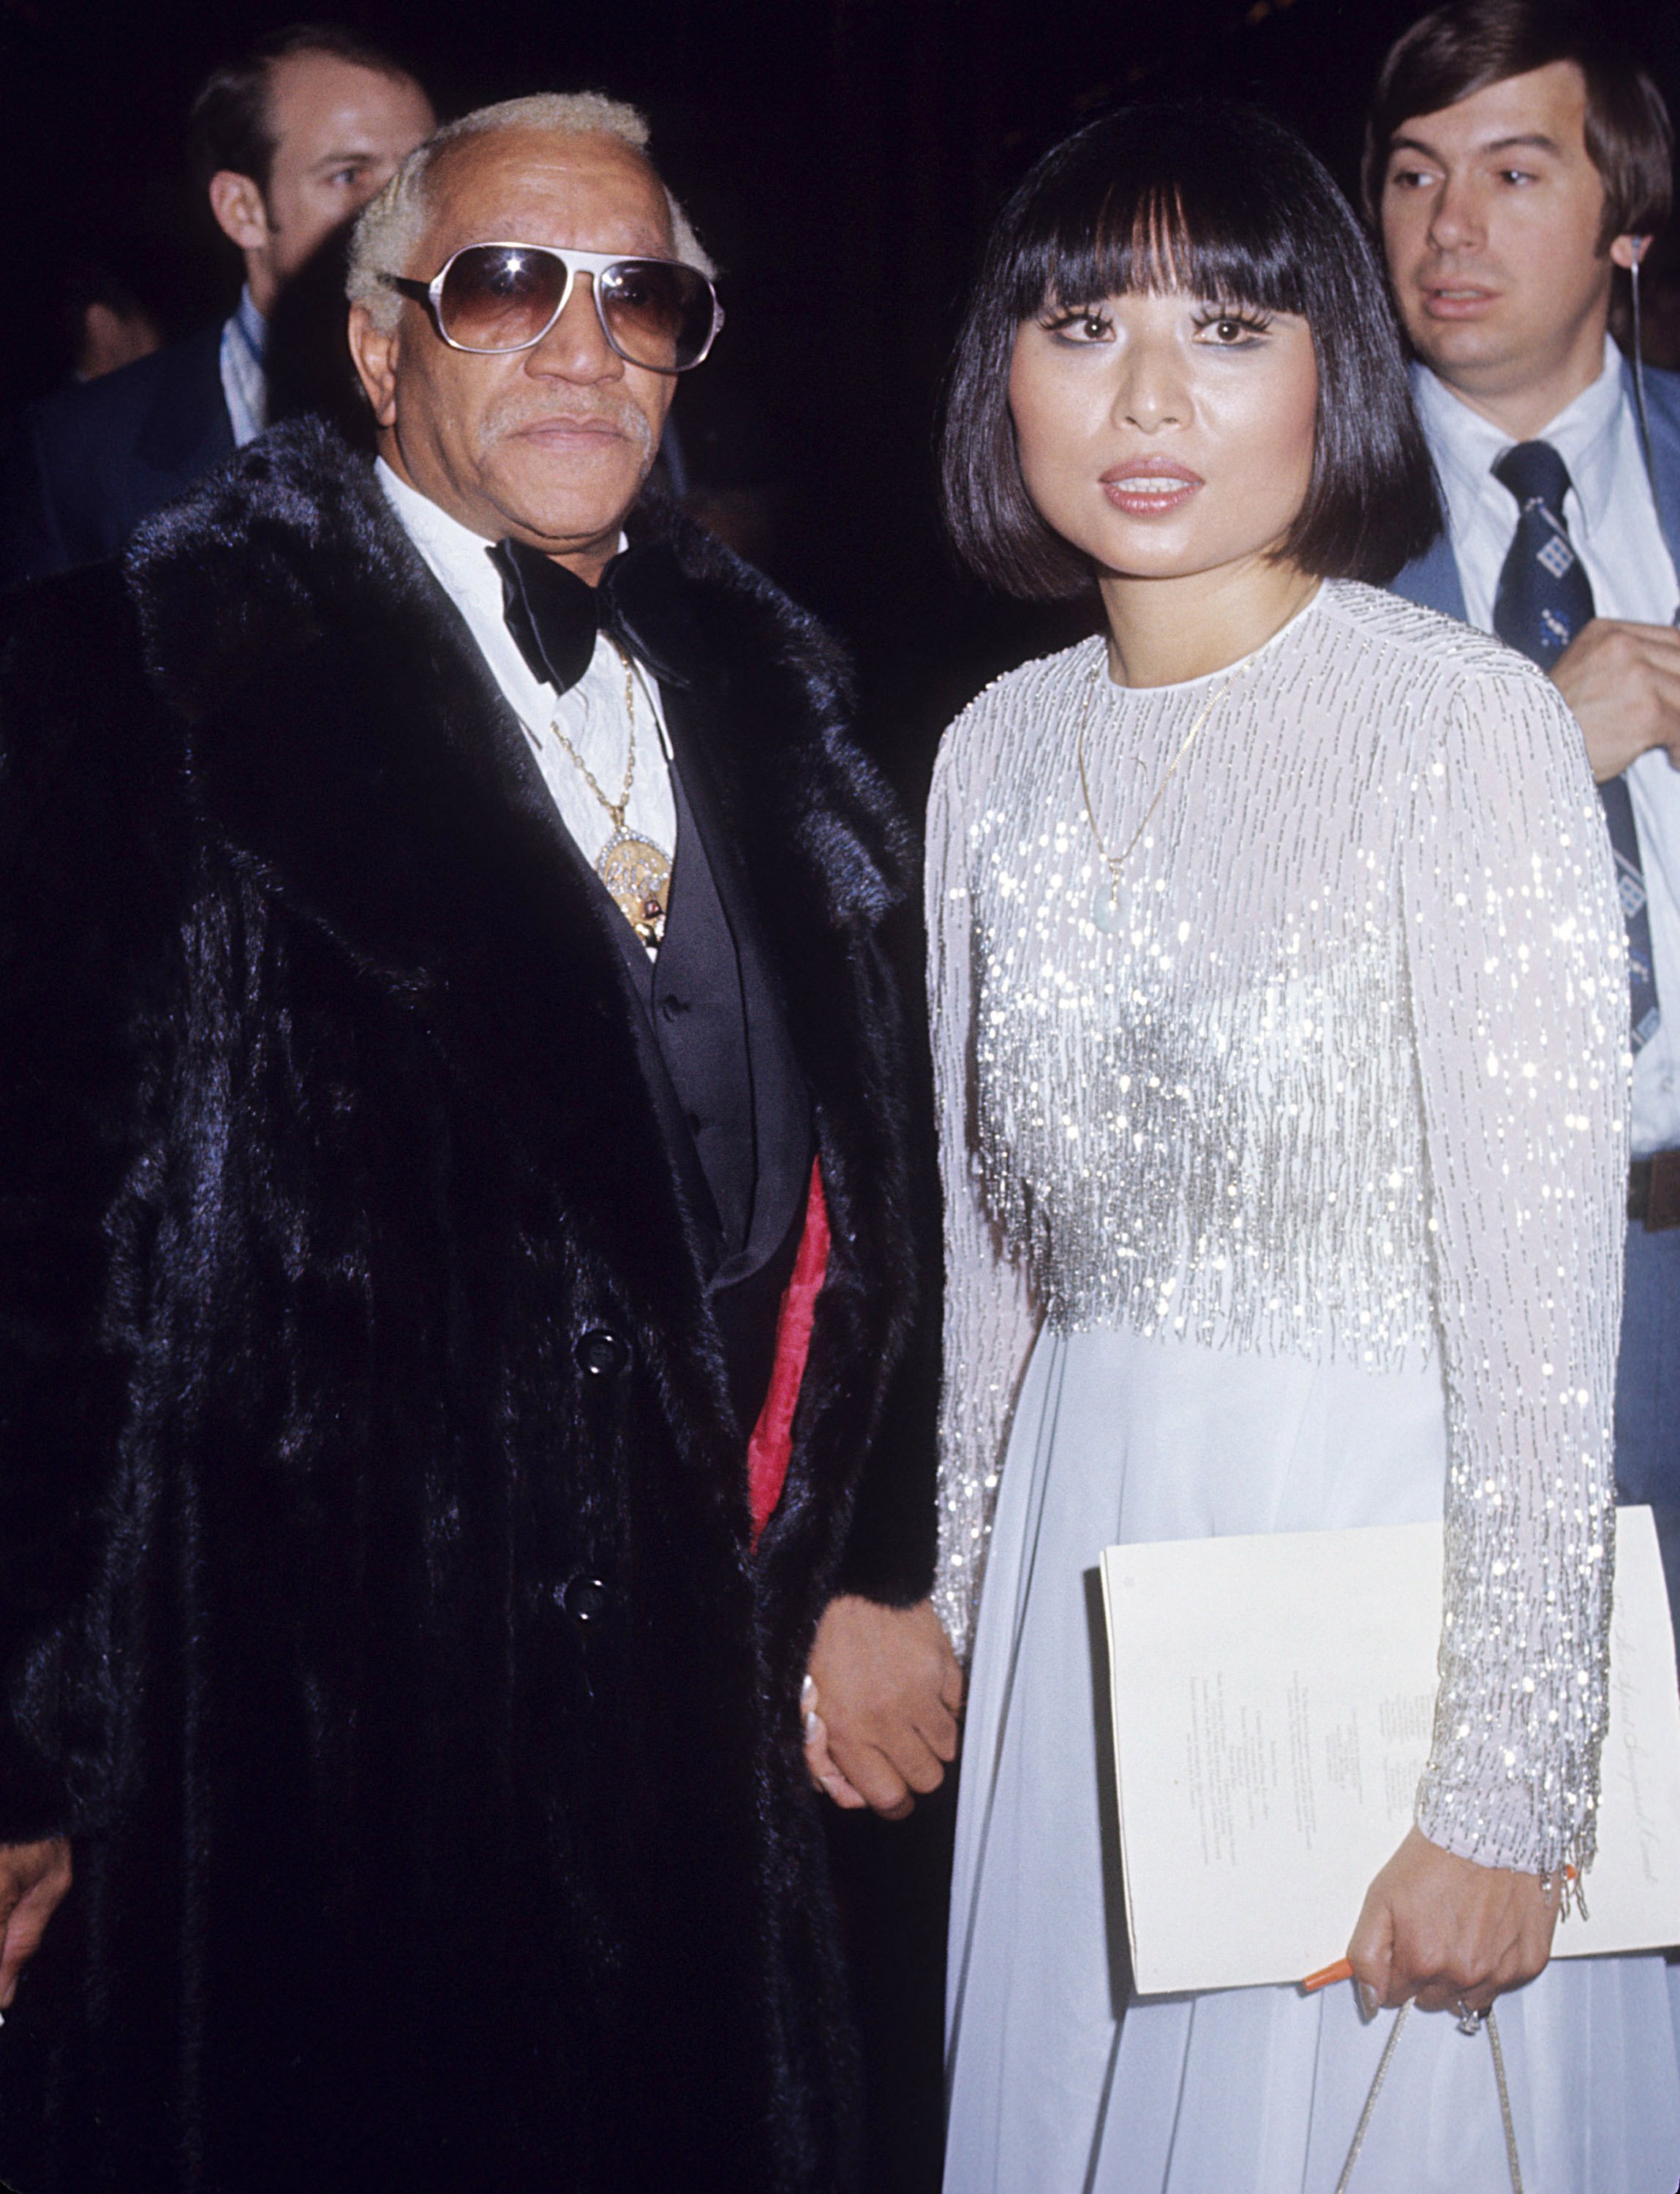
pixel 1058 2081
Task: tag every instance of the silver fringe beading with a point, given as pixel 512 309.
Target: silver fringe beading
pixel 1338 1065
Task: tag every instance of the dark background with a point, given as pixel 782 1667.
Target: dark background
pixel 842 159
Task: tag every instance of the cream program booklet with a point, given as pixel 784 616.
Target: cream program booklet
pixel 1272 1699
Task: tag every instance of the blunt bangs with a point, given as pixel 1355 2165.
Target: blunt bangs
pixel 1190 232
pixel 1221 203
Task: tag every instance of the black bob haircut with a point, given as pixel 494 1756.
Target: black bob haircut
pixel 1221 202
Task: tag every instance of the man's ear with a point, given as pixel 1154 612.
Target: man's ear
pixel 374 351
pixel 240 212
pixel 1629 251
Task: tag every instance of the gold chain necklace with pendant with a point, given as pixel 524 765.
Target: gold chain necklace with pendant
pixel 635 870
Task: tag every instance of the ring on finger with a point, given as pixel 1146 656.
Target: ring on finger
pixel 1470 2021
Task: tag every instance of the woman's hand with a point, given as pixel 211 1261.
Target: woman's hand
pixel 1447 1931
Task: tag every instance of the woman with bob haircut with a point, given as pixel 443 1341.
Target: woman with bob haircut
pixel 1279 999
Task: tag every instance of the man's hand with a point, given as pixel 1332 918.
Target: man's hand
pixel 33 1880
pixel 1447 1931
pixel 881 1704
pixel 1622 683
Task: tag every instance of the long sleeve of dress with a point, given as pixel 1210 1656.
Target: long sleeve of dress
pixel 989 1321
pixel 1519 1008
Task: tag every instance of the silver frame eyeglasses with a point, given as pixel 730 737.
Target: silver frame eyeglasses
pixel 604 268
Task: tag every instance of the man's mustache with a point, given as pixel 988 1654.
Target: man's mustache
pixel 624 418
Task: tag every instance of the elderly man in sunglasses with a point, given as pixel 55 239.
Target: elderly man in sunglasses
pixel 459 1321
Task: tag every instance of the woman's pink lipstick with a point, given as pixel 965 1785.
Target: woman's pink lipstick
pixel 1145 487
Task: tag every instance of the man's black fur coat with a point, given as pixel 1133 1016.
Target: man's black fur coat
pixel 351 1329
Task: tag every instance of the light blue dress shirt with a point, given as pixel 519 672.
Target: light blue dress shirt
pixel 244 339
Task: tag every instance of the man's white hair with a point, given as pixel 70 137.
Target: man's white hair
pixel 390 227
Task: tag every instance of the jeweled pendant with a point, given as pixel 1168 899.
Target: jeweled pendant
pixel 637 874
pixel 1104 907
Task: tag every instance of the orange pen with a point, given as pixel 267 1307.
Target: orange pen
pixel 1326 1977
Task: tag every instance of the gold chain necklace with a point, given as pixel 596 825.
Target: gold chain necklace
pixel 635 870
pixel 1104 906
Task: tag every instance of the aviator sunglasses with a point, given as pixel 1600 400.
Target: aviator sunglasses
pixel 492 298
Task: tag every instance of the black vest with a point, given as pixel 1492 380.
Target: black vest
pixel 731 1101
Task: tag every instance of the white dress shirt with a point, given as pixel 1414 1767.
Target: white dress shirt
pixel 1612 516
pixel 593 714
pixel 245 385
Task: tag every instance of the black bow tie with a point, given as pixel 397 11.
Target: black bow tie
pixel 553 615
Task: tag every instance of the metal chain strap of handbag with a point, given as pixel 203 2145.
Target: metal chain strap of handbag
pixel 1469 2023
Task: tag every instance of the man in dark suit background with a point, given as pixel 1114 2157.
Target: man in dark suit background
pixel 289 142
pixel 1516 158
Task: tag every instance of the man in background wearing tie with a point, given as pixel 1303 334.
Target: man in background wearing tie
pixel 1514 161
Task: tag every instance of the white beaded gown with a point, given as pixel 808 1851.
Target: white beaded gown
pixel 1284 1176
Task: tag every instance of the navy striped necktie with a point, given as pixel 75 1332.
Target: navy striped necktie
pixel 1543 599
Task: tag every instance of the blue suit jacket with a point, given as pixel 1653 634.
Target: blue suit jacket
pixel 81 468
pixel 1432 579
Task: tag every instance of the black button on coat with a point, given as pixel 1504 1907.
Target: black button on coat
pixel 602 1353
pixel 377 1611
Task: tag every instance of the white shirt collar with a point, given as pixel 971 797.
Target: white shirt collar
pixel 460 557
pixel 1466 447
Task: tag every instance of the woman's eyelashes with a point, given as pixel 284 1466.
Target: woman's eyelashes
pixel 1220 327
pixel 1224 329
pixel 1083 323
